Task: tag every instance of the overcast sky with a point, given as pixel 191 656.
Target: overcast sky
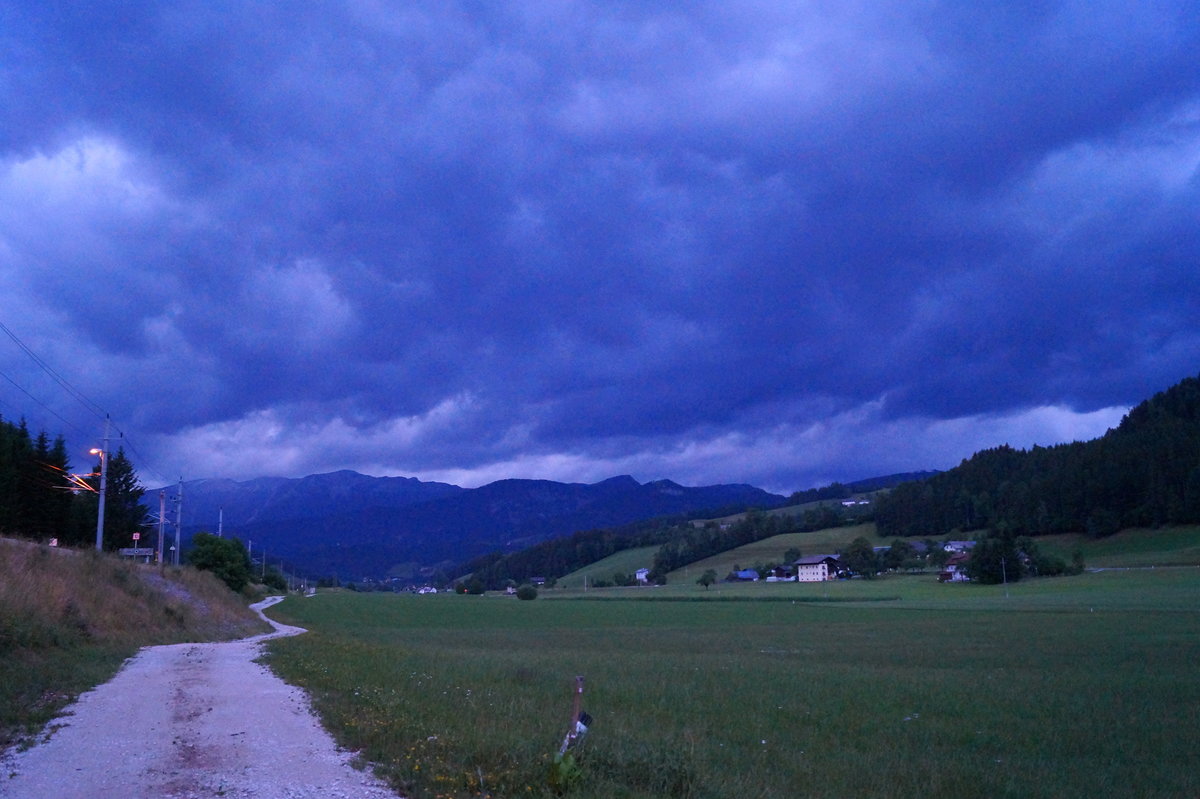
pixel 736 241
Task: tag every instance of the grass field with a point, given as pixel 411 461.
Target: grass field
pixel 1082 686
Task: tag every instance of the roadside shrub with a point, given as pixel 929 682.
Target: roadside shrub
pixel 225 557
pixel 527 591
pixel 273 579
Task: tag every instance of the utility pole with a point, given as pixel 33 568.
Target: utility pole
pixel 103 453
pixel 162 517
pixel 220 522
pixel 178 521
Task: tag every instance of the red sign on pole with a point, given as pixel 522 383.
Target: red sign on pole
pixel 137 536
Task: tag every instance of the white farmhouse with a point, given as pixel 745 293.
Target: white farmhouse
pixel 816 568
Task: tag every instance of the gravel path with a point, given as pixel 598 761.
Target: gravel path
pixel 190 720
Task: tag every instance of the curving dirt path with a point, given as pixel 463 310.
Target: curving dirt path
pixel 190 720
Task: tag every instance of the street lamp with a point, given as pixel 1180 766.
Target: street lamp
pixel 103 453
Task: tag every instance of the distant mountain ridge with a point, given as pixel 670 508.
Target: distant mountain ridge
pixel 354 525
pixel 314 496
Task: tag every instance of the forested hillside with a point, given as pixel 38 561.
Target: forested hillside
pixel 1145 472
pixel 680 542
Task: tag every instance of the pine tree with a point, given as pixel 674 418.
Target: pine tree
pixel 124 514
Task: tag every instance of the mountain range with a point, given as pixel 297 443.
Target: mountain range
pixel 354 525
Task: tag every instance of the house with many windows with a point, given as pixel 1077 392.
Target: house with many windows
pixel 815 568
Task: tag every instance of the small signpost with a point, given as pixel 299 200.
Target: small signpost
pixel 135 551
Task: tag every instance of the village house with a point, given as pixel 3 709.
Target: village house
pixel 642 576
pixel 743 576
pixel 955 569
pixel 958 546
pixel 781 574
pixel 815 568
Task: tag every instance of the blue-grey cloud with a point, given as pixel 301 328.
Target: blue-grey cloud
pixel 737 241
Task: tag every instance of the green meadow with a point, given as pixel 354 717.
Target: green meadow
pixel 627 561
pixel 898 687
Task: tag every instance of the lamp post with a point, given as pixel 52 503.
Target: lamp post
pixel 103 453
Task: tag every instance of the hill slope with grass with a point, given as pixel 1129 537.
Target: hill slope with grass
pixel 69 618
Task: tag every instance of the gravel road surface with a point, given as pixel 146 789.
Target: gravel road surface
pixel 190 720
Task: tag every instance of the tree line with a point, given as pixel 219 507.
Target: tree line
pixel 39 500
pixel 1143 473
pixel 560 556
pixel 680 542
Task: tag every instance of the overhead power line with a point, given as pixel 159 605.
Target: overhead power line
pixel 44 406
pixel 85 401
pixel 75 393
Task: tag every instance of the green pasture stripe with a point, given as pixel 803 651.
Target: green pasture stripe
pixel 1070 687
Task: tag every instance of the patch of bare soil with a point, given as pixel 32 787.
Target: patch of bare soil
pixel 188 721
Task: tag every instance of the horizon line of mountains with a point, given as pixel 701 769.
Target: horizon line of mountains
pixel 353 525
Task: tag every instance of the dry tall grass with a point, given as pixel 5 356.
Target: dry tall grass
pixel 68 618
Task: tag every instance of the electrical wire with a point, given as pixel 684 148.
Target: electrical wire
pixel 87 403
pixel 44 406
pixel 146 467
pixel 75 393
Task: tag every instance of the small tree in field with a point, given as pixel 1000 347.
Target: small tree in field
pixel 707 579
pixel 526 591
pixel 994 560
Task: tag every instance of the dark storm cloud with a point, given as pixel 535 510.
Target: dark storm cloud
pixel 738 241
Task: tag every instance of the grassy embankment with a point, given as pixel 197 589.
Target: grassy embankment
pixel 69 618
pixel 1074 686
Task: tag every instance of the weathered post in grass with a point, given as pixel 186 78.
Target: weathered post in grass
pixel 572 731
pixel 564 771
